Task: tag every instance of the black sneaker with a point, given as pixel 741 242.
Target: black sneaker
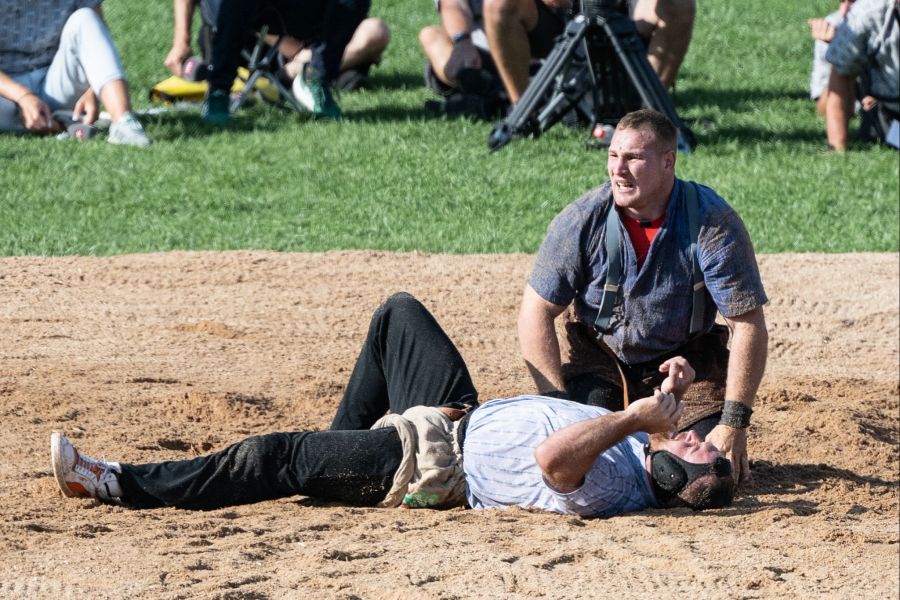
pixel 352 79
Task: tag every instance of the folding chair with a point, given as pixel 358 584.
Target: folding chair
pixel 262 62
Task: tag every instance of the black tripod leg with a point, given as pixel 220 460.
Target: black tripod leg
pixel 522 119
pixel 631 52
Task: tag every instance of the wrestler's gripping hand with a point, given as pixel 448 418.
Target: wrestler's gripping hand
pixel 658 413
pixel 680 376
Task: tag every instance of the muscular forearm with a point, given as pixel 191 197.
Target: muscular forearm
pixel 568 454
pixel 838 109
pixel 540 349
pixel 749 351
pixel 538 341
pixel 183 19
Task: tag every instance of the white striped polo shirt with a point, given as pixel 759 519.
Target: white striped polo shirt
pixel 500 468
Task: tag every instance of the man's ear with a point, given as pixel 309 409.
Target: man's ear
pixel 669 160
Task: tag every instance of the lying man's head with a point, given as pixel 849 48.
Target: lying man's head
pixel 686 471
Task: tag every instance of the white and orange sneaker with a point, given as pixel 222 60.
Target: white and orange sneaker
pixel 80 476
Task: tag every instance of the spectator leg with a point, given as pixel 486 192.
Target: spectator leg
pixel 87 57
pixel 342 17
pixel 367 45
pixel 437 47
pixel 507 23
pixel 667 26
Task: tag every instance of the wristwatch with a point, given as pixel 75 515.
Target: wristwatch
pixel 460 37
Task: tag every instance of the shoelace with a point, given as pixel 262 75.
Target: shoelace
pixel 98 470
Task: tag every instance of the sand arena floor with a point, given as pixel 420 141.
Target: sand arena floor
pixel 154 357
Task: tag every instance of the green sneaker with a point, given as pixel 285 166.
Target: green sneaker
pixel 216 108
pixel 316 97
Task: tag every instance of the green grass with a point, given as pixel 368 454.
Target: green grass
pixel 391 178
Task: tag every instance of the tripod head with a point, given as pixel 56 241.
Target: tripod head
pixel 599 8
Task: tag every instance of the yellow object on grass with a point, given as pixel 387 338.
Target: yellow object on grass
pixel 175 89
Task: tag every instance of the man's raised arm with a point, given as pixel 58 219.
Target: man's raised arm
pixel 538 341
pixel 568 454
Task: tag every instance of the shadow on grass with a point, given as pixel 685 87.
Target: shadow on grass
pixel 739 102
pixel 734 100
pixel 394 81
pixel 746 135
pixel 394 113
pixel 180 124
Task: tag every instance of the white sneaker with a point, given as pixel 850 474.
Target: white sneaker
pixel 80 476
pixel 128 132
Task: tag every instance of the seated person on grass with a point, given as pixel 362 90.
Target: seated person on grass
pixel 822 32
pixel 364 50
pixel 437 448
pixel 57 55
pixel 459 60
pixel 519 30
pixel 864 53
pixel 325 27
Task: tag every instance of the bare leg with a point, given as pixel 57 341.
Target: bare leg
pixel 365 48
pixel 822 103
pixel 667 26
pixel 437 47
pixel 367 44
pixel 507 23
pixel 114 97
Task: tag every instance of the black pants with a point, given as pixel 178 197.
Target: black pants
pixel 407 360
pixel 325 25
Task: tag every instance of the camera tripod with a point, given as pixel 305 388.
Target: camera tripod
pixel 597 70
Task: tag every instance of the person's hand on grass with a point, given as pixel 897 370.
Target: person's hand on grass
pixel 86 109
pixel 34 113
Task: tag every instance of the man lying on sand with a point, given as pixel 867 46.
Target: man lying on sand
pixel 437 447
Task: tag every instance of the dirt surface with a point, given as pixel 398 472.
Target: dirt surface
pixel 154 357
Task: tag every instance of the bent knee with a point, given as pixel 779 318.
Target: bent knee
pixel 81 18
pixel 376 32
pixel 430 35
pixel 504 10
pixel 400 301
pixel 676 12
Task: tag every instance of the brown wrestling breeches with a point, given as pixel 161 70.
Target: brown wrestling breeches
pixel 594 376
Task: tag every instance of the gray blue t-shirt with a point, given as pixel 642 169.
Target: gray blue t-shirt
pixel 652 316
pixel 498 459
pixel 30 31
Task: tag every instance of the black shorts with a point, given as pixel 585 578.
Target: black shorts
pixel 550 25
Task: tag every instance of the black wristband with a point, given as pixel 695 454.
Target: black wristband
pixel 462 36
pixel 735 414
